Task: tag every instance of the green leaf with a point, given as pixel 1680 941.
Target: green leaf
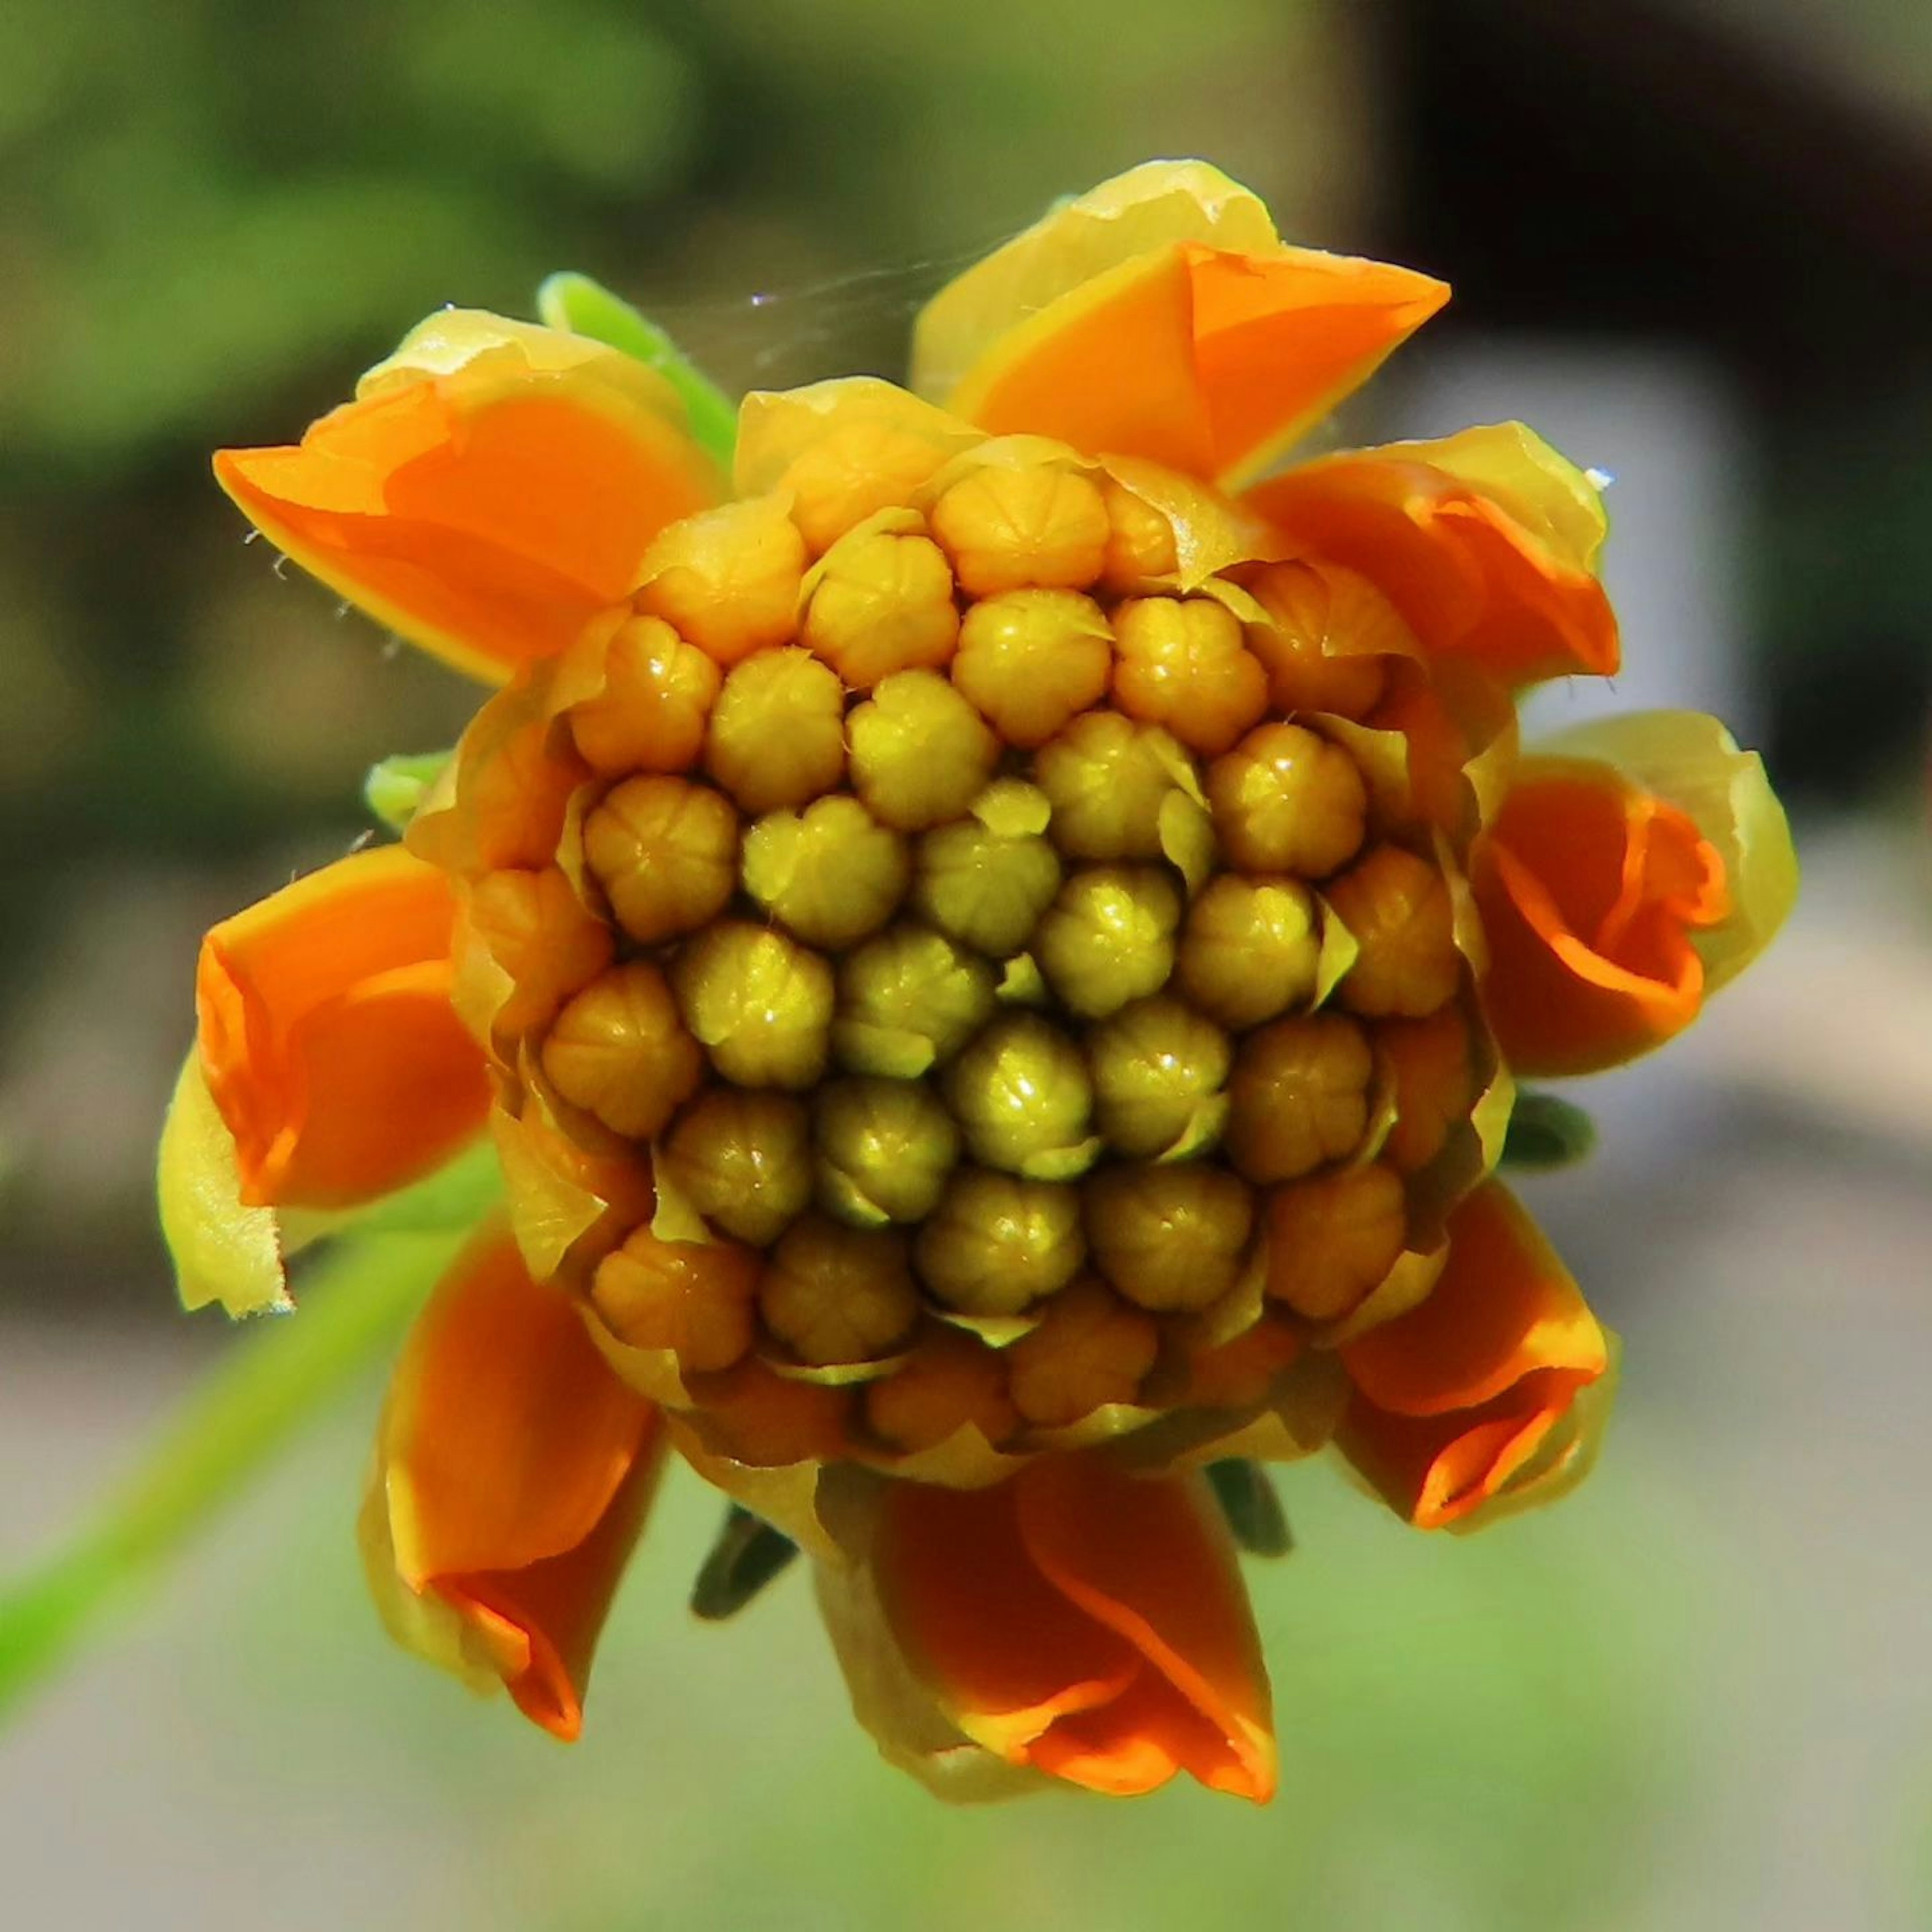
pixel 1546 1132
pixel 394 788
pixel 1253 1511
pixel 585 308
pixel 747 1555
pixel 279 1376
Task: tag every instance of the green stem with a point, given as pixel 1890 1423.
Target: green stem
pixel 355 1302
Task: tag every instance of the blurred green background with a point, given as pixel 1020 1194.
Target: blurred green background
pixel 1698 1696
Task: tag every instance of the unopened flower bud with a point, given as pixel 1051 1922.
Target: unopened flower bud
pixel 996 1244
pixel 657 695
pixel 1332 1239
pixel 1398 908
pixel 884 603
pixel 920 753
pixel 696 1298
pixel 665 851
pixel 885 1148
pixel 1250 949
pixel 1090 1348
pixel 953 1381
pixel 1021 1094
pixel 835 1294
pixel 1140 540
pixel 778 730
pixel 908 1000
pixel 727 579
pixel 1427 1062
pixel 1107 778
pixel 1168 1237
pixel 1158 1069
pixel 1288 800
pixel 619 1051
pixel 742 1160
pixel 1032 524
pixel 831 873
pixel 1030 660
pixel 1109 938
pixel 759 1004
pixel 985 890
pixel 1299 1097
pixel 1182 664
pixel 1323 649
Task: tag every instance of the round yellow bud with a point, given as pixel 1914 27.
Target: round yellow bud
pixel 1140 540
pixel 619 1051
pixel 1331 1240
pixel 835 1294
pixel 1107 778
pixel 1398 907
pixel 920 753
pixel 1031 659
pixel 953 1381
pixel 1286 800
pixel 1021 1094
pixel 884 603
pixel 885 1148
pixel 996 1244
pixel 1158 1068
pixel 1314 613
pixel 1168 1238
pixel 1037 524
pixel 525 942
pixel 742 1160
pixel 727 579
pixel 1109 938
pixel 1090 1348
pixel 985 890
pixel 851 470
pixel 1250 949
pixel 758 1003
pixel 1182 664
pixel 778 730
pixel 696 1298
pixel 908 1000
pixel 666 852
pixel 1299 1097
pixel 657 695
pixel 830 873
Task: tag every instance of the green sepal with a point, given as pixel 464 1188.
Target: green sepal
pixel 1255 1515
pixel 1545 1132
pixel 574 302
pixel 747 1555
pixel 395 787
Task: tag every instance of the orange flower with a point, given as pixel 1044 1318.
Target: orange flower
pixel 1073 1620
pixel 513 1472
pixel 1001 966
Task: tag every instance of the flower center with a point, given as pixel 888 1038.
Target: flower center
pixel 1026 980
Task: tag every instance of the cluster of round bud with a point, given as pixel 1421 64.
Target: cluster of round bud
pixel 1005 959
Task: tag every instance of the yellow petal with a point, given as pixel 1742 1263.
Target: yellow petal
pixel 1691 761
pixel 223 1251
pixel 1145 209
pixel 1556 501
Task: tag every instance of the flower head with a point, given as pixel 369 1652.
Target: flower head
pixel 994 961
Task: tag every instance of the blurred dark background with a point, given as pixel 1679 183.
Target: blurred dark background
pixel 1691 239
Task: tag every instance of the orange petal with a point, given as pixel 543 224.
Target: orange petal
pixel 1592 891
pixel 1453 1398
pixel 327 1037
pixel 491 489
pixel 517 1469
pixel 1201 358
pixel 1485 542
pixel 1083 1621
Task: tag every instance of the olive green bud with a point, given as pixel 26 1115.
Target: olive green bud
pixel 1107 778
pixel 986 890
pixel 995 1244
pixel 742 1160
pixel 885 1148
pixel 1109 938
pixel 1159 1068
pixel 837 1295
pixel 1020 1092
pixel 759 1003
pixel 907 999
pixel 1168 1238
pixel 1251 949
pixel 830 873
